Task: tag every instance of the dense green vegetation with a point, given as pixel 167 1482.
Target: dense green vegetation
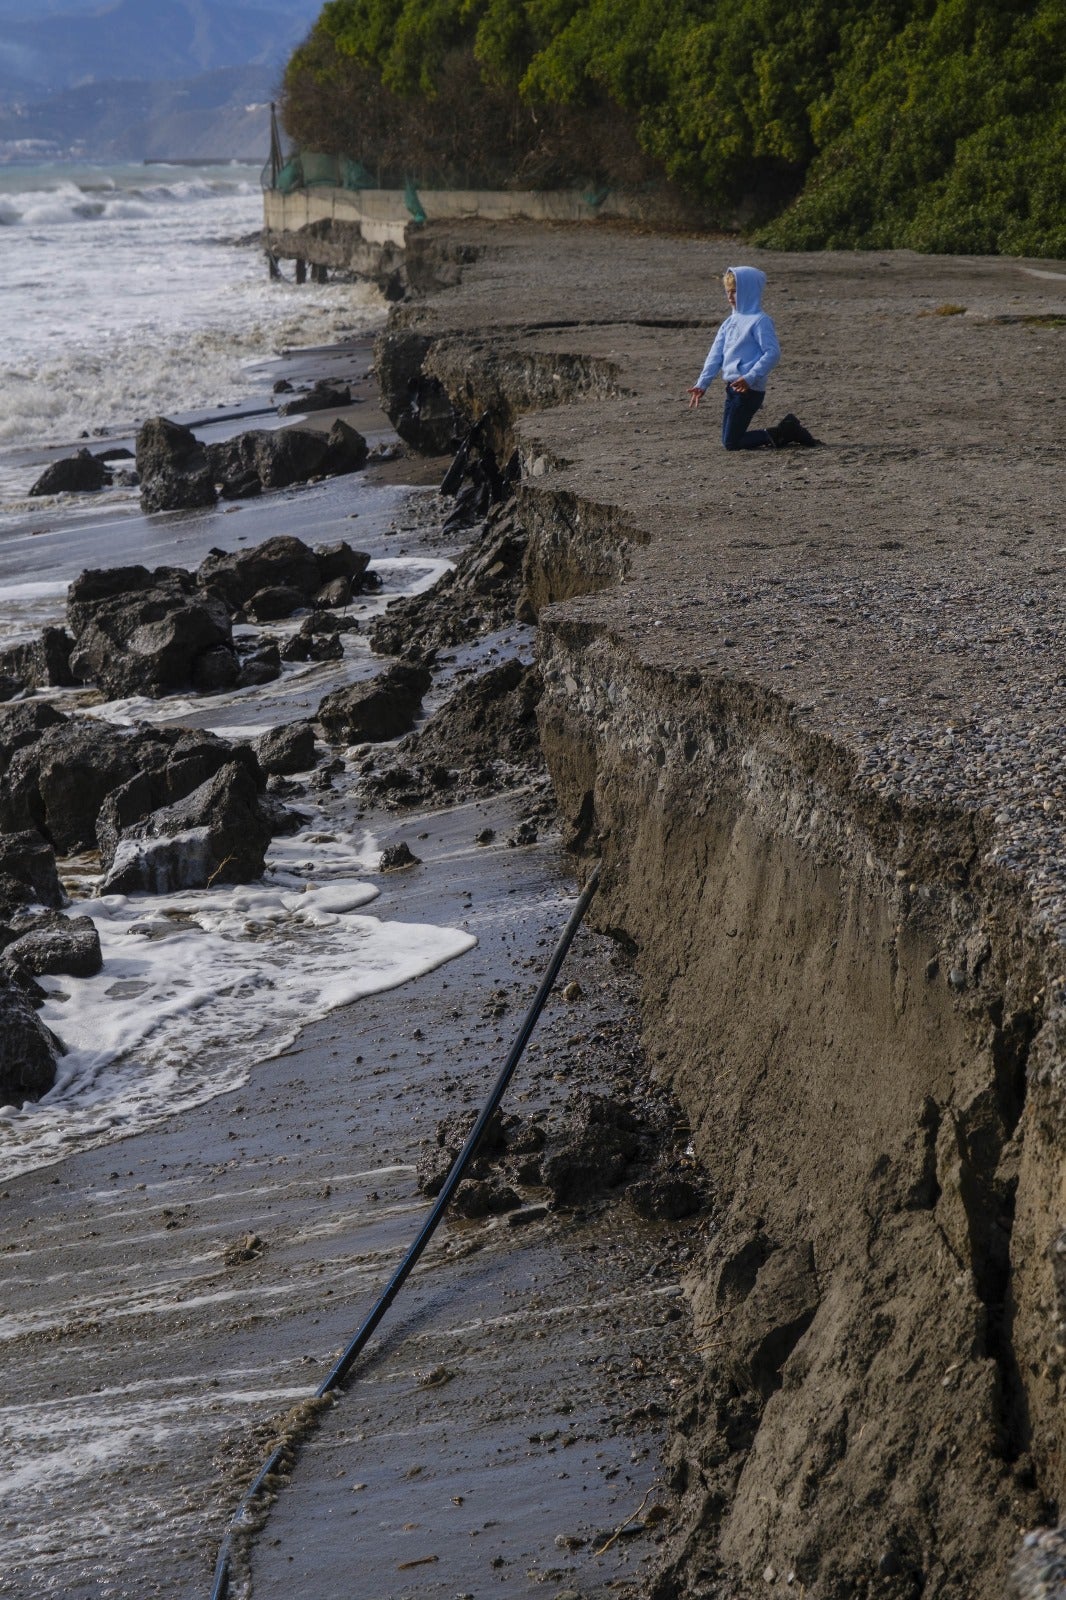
pixel 935 124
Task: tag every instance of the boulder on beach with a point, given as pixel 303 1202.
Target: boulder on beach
pixel 241 577
pixel 80 474
pixel 282 562
pixel 39 663
pixel 382 708
pixel 289 748
pixel 28 1050
pixel 305 646
pixel 23 724
pixel 28 867
pixel 266 459
pixel 334 594
pixel 398 857
pixel 341 561
pixel 173 467
pixel 96 586
pixel 147 635
pixel 325 395
pixel 346 450
pixel 327 622
pixel 270 605
pixel 58 783
pixel 192 759
pixel 52 943
pixel 217 834
pixel 260 662
pixel 215 670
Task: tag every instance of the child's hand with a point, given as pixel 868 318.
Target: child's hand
pixel 695 395
pixel 740 385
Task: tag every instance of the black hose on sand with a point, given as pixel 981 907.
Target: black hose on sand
pixel 334 1379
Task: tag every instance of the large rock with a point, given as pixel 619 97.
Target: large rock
pixel 334 594
pixel 78 474
pixel 217 834
pixel 173 467
pixel 58 784
pixel 270 605
pixel 40 663
pixel 261 663
pixel 346 450
pixel 281 562
pixel 28 1050
pixel 57 944
pixel 290 748
pixel 341 561
pixel 261 459
pixel 23 724
pixel 382 708
pixel 193 760
pixel 149 640
pixel 96 586
pixel 324 396
pixel 216 669
pixel 28 860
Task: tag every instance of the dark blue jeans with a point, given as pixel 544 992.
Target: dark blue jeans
pixel 739 410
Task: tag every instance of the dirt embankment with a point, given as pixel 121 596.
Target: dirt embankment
pixel 807 707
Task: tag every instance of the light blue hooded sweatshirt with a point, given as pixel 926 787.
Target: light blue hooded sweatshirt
pixel 746 344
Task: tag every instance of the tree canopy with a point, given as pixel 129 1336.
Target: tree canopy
pixel 934 124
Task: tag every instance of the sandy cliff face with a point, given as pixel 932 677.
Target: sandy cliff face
pixel 847 1018
pixel 813 742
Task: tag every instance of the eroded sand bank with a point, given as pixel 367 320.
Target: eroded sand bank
pixel 808 707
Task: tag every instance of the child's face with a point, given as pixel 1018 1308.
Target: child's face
pixel 731 294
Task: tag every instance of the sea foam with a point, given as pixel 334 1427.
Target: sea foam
pixel 199 986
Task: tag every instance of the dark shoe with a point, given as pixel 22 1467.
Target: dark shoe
pixel 791 431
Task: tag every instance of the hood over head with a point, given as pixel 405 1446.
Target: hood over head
pixel 750 285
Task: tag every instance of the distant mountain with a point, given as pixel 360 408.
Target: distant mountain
pixel 218 115
pixel 44 49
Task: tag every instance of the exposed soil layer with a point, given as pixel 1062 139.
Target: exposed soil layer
pixel 807 707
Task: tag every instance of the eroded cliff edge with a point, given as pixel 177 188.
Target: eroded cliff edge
pixel 808 708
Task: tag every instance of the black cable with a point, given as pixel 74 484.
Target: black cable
pixel 335 1377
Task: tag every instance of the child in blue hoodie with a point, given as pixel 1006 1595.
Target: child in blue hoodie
pixel 746 351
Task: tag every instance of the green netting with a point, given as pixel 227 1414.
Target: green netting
pixel 319 170
pixel 412 202
pixel 354 175
pixel 291 176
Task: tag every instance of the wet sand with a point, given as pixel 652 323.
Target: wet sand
pixel 168 1297
pixel 144 1361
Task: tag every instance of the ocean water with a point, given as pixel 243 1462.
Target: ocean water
pixel 123 293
